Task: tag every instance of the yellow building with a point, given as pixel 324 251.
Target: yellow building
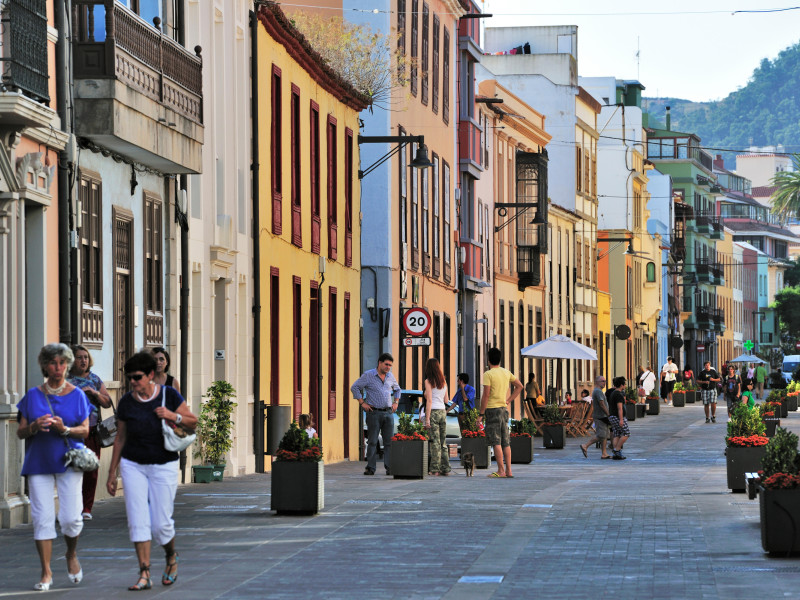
pixel 605 333
pixel 731 263
pixel 308 244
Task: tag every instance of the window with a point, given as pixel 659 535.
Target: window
pixel 437 225
pixel 333 347
pixel 297 344
pixel 502 329
pixel 414 41
pixel 651 272
pixel 425 40
pixel 153 296
pixel 297 232
pixel 426 249
pixel 276 141
pixel 435 102
pixel 401 37
pixel 446 77
pixel 348 197
pixel 403 205
pixel 274 336
pixel 91 249
pixel 511 348
pixel 578 177
pixel 414 215
pixel 446 213
pixel 579 260
pixel 333 185
pixel 314 172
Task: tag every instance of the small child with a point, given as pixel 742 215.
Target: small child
pixel 307 423
pixel 747 395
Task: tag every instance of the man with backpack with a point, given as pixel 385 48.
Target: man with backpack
pixel 708 379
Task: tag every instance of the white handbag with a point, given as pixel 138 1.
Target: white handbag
pixel 176 438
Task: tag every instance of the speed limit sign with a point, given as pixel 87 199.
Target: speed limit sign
pixel 416 321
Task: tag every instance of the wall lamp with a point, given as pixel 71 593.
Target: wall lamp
pixel 420 160
pixel 630 251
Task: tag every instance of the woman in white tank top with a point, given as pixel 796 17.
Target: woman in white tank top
pixel 435 417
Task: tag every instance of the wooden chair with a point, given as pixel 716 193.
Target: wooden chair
pixel 533 414
pixel 580 420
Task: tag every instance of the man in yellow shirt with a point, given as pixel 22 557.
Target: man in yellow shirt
pixel 494 407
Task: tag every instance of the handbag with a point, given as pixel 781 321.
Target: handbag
pixel 106 430
pixel 540 400
pixel 642 393
pixel 79 459
pixel 176 438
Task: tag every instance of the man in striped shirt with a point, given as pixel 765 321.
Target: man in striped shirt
pixel 377 392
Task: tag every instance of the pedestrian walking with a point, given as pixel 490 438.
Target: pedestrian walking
pixel 648 380
pixel 81 376
pixel 494 407
pixel 377 393
pixel 688 376
pixel 708 379
pixel 600 415
pixel 162 376
pixel 149 471
pixel 532 391
pixel 619 423
pixel 732 388
pixel 435 417
pixel 463 400
pixel 51 417
pixel 761 377
pixel 668 376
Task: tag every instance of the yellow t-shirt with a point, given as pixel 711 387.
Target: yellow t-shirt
pixel 499 379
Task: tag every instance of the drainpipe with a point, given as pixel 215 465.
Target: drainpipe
pixel 258 405
pixel 183 316
pixel 67 236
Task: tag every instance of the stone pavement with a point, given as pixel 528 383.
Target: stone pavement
pixel 661 524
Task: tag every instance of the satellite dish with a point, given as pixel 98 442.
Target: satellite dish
pixel 623 332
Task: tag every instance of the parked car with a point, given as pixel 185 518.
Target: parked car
pixel 790 363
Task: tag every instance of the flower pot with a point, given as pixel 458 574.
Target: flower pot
pixel 521 450
pixel 298 487
pixel 653 406
pixel 630 411
pixel 772 423
pixel 791 403
pixel 741 460
pixel 641 411
pixel 554 436
pixel 691 397
pixel 784 409
pixel 780 531
pixel 479 448
pixel 679 399
pixel 218 472
pixel 202 473
pixel 409 459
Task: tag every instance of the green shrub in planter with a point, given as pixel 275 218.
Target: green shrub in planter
pixel 214 424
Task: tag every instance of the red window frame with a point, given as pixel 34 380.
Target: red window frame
pixel 276 142
pixel 333 189
pixel 348 197
pixel 274 336
pixel 296 162
pixel 316 221
pixel 297 345
pixel 333 344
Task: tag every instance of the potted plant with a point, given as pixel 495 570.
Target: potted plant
pixel 631 397
pixel 298 474
pixel 409 458
pixel 473 439
pixel 522 441
pixel 779 397
pixel 791 400
pixel 745 445
pixel 779 494
pixel 553 429
pixel 767 411
pixel 213 430
pixel 653 403
pixel 679 395
pixel 691 392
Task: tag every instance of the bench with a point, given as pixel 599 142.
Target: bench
pixel 752 481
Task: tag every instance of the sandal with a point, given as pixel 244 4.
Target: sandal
pixel 496 475
pixel 139 586
pixel 169 576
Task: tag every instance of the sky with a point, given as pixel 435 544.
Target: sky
pixel 697 50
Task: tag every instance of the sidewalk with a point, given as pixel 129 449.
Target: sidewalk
pixel 661 524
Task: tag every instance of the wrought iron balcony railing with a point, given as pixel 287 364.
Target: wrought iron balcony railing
pixel 23 48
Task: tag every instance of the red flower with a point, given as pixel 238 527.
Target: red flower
pixel 525 435
pixel 781 481
pixel 473 434
pixel 747 442
pixel 402 437
pixel 769 414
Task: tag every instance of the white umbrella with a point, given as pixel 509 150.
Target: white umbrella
pixel 559 346
pixel 747 358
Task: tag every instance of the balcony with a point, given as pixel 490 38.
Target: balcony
pixel 718 316
pixel 469 144
pixel 766 337
pixel 704 270
pixel 473 259
pixel 678 249
pixel 25 97
pixel 137 92
pixel 718 271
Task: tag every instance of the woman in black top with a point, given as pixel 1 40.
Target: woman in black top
pixel 162 376
pixel 732 388
pixel 149 471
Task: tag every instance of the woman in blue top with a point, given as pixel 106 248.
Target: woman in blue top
pixel 149 471
pixel 48 416
pixel 81 376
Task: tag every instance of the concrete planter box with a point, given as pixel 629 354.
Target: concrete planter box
pixel 679 399
pixel 692 397
pixel 554 436
pixel 298 487
pixel 740 461
pixel 791 403
pixel 202 473
pixel 630 412
pixel 479 447
pixel 521 450
pixel 772 424
pixel 653 406
pixel 779 528
pixel 784 409
pixel 641 411
pixel 409 459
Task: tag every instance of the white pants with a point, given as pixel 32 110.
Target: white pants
pixel 43 504
pixel 149 500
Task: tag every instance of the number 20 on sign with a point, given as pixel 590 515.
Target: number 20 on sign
pixel 416 321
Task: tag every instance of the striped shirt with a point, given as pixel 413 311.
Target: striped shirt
pixel 378 393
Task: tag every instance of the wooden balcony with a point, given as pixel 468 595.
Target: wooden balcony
pixel 137 91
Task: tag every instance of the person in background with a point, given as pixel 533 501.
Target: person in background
pixel 668 376
pixel 688 376
pixel 162 376
pixel 761 377
pixel 732 388
pixel 708 380
pixel 747 394
pixel 568 398
pixel 435 418
pixel 463 400
pixel 619 423
pixel 532 391
pixel 81 376
pixel 306 423
pixel 600 416
pixel 49 415
pixel 585 396
pixel 648 381
pixel 640 376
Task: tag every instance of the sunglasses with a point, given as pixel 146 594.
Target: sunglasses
pixel 136 377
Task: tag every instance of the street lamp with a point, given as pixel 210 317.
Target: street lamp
pixel 420 161
pixel 757 333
